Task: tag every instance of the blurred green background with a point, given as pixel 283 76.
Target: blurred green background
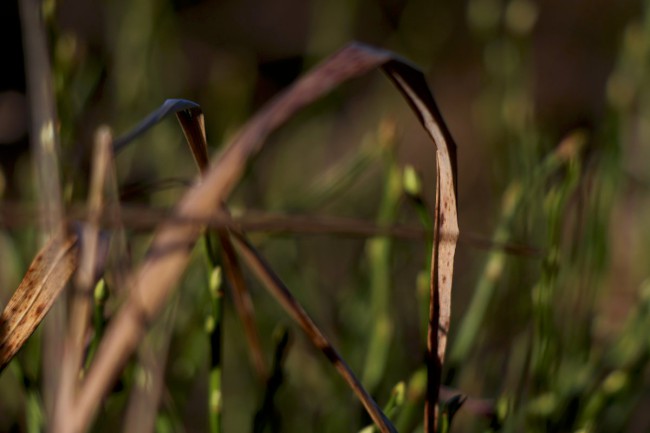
pixel 556 339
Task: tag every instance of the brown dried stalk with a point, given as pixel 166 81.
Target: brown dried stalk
pixel 45 151
pixel 141 218
pixel 243 304
pixel 277 288
pixel 193 123
pixel 82 301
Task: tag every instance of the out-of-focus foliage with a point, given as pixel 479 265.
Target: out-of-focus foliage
pixel 555 341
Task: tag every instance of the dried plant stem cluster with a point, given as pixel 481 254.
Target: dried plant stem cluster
pixel 78 396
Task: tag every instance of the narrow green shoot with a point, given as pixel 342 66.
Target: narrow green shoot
pixel 378 253
pixel 410 414
pixel 213 327
pixel 513 199
pixel 34 417
pixel 100 296
pixel 392 408
pixel 413 188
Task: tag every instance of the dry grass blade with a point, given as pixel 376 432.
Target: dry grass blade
pixel 277 288
pixel 45 151
pixel 46 277
pixel 85 280
pixel 82 302
pixel 43 114
pixel 44 140
pixel 172 244
pixel 445 233
pixel 243 304
pixel 193 123
pixel 170 106
pixel 143 218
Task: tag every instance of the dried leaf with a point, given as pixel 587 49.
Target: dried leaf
pixel 170 106
pixel 193 123
pixel 46 277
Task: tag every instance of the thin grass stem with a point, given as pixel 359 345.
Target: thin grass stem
pixel 279 291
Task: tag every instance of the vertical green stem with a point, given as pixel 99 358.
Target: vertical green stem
pixel 513 199
pixel 99 322
pixel 413 188
pixel 214 329
pixel 492 272
pixel 34 412
pixel 379 257
pixel 549 340
pixel 410 414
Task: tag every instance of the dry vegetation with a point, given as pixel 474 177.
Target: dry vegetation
pixel 142 308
